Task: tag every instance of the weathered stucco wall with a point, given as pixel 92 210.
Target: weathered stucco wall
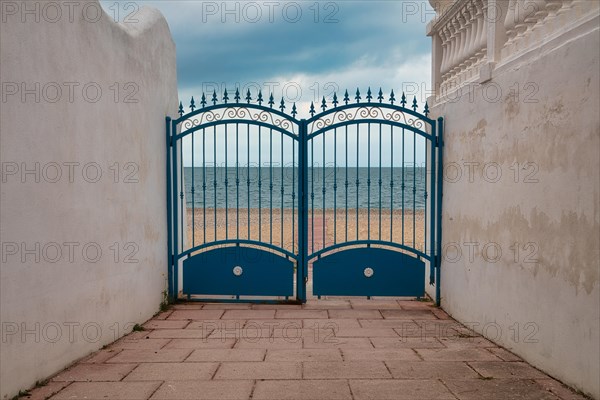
pixel 83 215
pixel 521 205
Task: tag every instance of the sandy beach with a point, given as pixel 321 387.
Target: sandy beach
pixel 281 229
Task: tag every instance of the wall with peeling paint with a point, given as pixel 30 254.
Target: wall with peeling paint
pixel 83 216
pixel 521 227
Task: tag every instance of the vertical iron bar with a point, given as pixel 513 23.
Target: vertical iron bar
pixel 293 196
pixel 403 184
pixel 302 269
pixel 215 178
pixel 248 175
pixel 204 184
pixel 312 194
pixel 282 190
pixel 271 186
pixel 357 181
pixel 169 210
pixel 368 181
pixel 391 183
pixel 432 206
pixel 237 182
pixel 181 195
pixel 379 181
pixel 440 183
pixel 259 185
pixel 335 186
pixel 425 201
pixel 226 189
pixel 175 213
pixel 346 182
pixel 324 191
pixel 193 189
pixel 414 188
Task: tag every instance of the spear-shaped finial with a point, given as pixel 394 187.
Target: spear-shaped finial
pixel 203 100
pixel 392 97
pixel 282 105
pixel 335 100
pixel 380 96
pixel 294 111
pixel 369 97
pixel 259 100
pixel 312 109
pixel 214 97
pixel 237 95
pixel 414 104
pixel 248 97
pixel 225 96
pixel 403 100
pixel 324 104
pixel 426 109
pixel 192 104
pixel 357 97
pixel 271 101
pixel 346 97
pixel 180 109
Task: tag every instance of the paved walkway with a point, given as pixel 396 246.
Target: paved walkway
pixel 326 349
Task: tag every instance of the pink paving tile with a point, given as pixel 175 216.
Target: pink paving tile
pixel 227 306
pixel 301 314
pixel 107 390
pixel 304 355
pixel 446 354
pixel 211 324
pixel 457 342
pixel 188 306
pixel 560 390
pixel 173 372
pixel 143 356
pixel 206 355
pixel 499 389
pixel 415 305
pixel 406 343
pixel 269 343
pixel 331 342
pixel 277 306
pixel 431 370
pixel 507 370
pixel 166 324
pixel 139 344
pixel 345 370
pixel 163 315
pixel 331 323
pixel 94 372
pixel 305 389
pixel 379 355
pixel 259 370
pixel 179 333
pixel 204 390
pixel 504 354
pixel 366 332
pixel 408 314
pixel 399 390
pixel 364 304
pixel 101 356
pixel 314 304
pixel 355 314
pixel 44 392
pixel 196 315
pixel 390 323
pixel 249 314
pixel 200 344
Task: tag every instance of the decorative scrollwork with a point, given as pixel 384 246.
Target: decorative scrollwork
pixel 239 112
pixel 367 112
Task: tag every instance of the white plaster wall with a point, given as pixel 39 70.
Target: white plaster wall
pixel 546 311
pixel 109 295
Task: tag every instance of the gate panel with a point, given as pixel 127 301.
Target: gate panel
pixel 254 189
pixel 368 271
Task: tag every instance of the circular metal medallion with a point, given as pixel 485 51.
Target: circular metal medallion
pixel 368 272
pixel 237 270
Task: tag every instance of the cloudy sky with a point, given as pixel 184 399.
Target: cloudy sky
pixel 300 50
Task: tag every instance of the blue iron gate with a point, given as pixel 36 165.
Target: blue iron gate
pixel 262 204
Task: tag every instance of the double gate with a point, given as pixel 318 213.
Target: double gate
pixel 265 206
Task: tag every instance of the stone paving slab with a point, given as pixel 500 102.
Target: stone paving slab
pixel 325 350
pixel 302 389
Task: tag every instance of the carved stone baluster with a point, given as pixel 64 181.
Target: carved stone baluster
pixel 482 44
pixel 510 22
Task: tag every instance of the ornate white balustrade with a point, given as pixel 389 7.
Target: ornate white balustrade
pixel 471 36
